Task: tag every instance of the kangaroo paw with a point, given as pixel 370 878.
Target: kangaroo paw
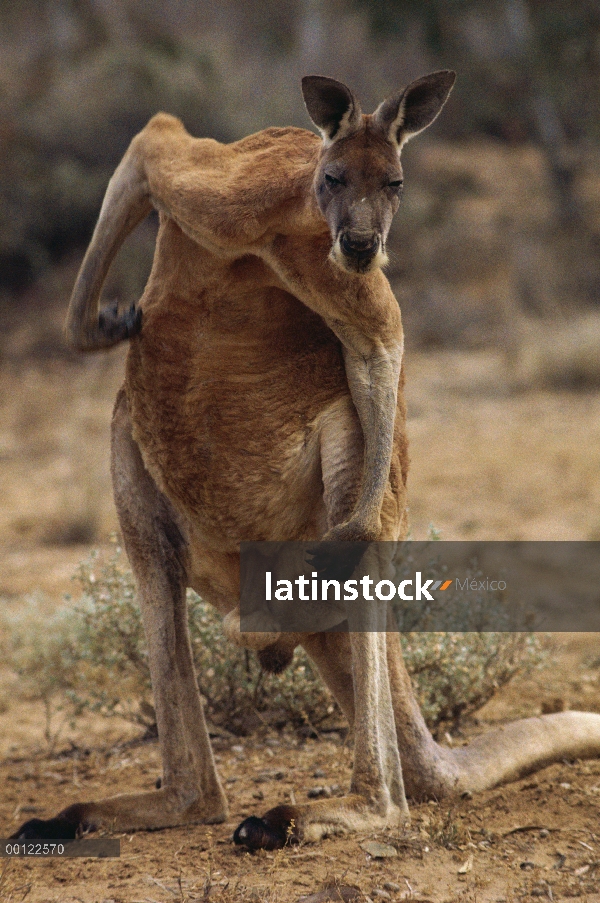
pixel 114 327
pixel 336 560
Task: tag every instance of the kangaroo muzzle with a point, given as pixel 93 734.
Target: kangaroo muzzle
pixel 358 252
pixel 360 246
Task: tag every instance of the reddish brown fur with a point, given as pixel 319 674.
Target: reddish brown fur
pixel 256 363
pixel 263 400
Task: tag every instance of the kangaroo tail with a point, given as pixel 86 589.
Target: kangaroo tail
pixel 510 752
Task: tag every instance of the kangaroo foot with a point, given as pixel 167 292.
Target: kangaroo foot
pixel 313 821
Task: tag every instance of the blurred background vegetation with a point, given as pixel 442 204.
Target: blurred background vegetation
pixel 500 226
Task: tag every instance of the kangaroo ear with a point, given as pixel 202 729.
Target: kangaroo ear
pixel 332 107
pixel 407 113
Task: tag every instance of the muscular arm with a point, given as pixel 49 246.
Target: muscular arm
pixel 373 372
pixel 364 314
pixel 199 183
pixel 224 197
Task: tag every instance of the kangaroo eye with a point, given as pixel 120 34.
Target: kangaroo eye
pixel 396 184
pixel 331 180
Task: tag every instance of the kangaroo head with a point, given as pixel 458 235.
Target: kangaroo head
pixel 358 182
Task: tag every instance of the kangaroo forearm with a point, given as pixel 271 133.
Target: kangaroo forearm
pixel 125 205
pixel 373 383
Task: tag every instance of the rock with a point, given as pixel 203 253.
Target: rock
pixel 269 775
pixel 379 850
pixel 550 706
pixel 466 866
pixel 337 893
pixel 316 792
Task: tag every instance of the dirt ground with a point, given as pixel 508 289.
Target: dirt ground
pixel 537 838
pixel 488 462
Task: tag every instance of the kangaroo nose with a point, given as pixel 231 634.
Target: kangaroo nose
pixel 356 243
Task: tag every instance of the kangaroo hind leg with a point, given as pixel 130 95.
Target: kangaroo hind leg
pixel 190 791
pixel 376 799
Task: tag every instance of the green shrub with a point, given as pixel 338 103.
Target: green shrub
pixel 91 655
pixel 456 673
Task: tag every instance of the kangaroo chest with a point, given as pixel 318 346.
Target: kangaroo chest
pixel 227 380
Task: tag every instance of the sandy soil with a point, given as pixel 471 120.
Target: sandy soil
pixel 536 838
pixel 487 462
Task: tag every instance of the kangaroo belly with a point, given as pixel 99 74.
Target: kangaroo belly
pixel 226 385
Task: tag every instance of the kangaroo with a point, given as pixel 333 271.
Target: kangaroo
pixel 263 400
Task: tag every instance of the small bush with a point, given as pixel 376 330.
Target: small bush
pixel 456 673
pixel 91 655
